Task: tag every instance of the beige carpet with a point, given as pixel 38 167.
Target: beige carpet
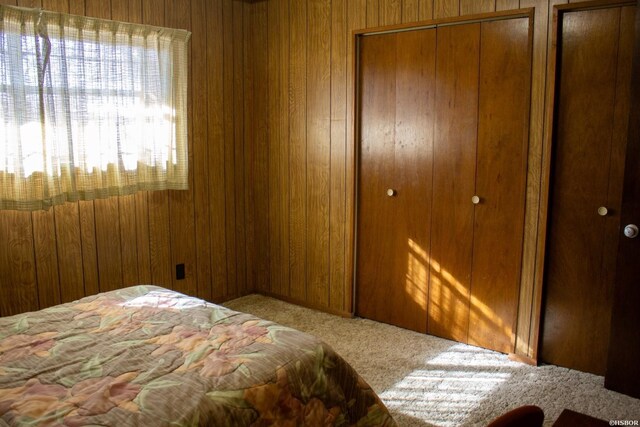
pixel 429 381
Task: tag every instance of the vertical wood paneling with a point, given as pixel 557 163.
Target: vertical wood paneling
pixel 199 92
pixel 181 208
pixel 46 253
pixel 283 153
pixel 239 147
pixel 256 53
pixel 298 149
pixel 250 86
pixel 218 165
pixel 469 7
pixel 507 4
pixel 445 8
pixel 339 61
pixel 410 11
pixel 89 248
pixel 390 12
pixel 229 149
pixel 425 9
pixel 17 264
pixel 373 13
pixel 318 149
pixel 274 46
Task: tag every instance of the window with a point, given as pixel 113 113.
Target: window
pixel 89 108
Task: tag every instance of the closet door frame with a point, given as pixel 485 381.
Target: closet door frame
pixel 357 35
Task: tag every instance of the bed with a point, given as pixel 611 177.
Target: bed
pixel 148 356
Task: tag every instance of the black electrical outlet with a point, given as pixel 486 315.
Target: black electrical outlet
pixel 179 271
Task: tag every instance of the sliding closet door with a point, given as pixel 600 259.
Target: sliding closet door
pixel 454 174
pixel 395 161
pixel 592 102
pixel 503 136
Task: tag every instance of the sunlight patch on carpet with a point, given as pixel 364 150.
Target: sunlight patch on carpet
pixel 449 387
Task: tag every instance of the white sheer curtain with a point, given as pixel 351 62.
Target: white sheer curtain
pixel 89 108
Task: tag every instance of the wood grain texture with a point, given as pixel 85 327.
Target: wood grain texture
pixel 503 136
pixel 278 71
pixel 470 7
pixel 46 254
pixel 445 8
pixel 390 12
pixel 18 282
pixel 69 247
pixel 373 13
pixel 337 202
pixel 454 174
pixel 181 204
pixel 256 148
pixel 219 168
pixel 318 150
pixel 623 371
pixel 298 150
pixel 410 11
pixel 89 248
pixel 579 294
pixel 507 4
pixel 425 10
pixel 239 94
pixel 229 162
pixel 200 89
pixel 533 245
pixel 396 143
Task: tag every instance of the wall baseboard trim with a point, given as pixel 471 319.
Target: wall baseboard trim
pixel 305 304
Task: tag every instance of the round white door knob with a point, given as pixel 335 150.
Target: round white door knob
pixel 475 200
pixel 391 192
pixel 602 211
pixel 631 231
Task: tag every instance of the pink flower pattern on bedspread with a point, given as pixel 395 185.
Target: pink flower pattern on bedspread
pixel 147 356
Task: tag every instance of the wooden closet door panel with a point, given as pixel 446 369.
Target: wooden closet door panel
pixel 623 370
pixel 503 128
pixel 454 174
pixel 578 284
pixel 397 92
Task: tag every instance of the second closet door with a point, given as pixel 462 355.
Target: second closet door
pixel 480 152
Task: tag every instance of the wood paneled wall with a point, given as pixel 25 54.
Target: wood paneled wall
pixel 78 249
pixel 272 164
pixel 309 148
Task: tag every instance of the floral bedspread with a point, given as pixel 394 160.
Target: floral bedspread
pixel 147 356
